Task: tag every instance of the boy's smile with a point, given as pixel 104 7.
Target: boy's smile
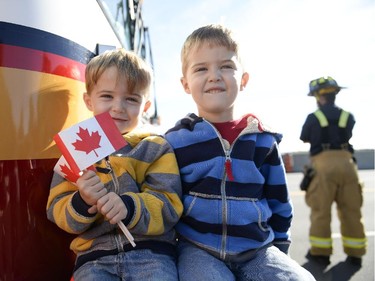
pixel 215 90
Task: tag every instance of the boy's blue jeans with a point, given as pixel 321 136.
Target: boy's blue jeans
pixel 269 263
pixel 130 266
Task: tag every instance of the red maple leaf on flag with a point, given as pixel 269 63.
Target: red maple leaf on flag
pixel 88 142
pixel 69 175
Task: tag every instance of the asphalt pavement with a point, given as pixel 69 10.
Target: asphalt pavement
pixel 338 270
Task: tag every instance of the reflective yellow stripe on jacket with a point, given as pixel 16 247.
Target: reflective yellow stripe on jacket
pixel 343 120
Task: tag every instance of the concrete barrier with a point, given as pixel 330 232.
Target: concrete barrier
pixel 295 161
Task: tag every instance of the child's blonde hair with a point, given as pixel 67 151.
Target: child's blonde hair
pixel 136 71
pixel 214 35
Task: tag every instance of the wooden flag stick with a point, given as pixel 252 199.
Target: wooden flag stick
pixel 127 233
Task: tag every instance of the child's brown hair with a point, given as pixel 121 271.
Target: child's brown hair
pixel 213 35
pixel 136 71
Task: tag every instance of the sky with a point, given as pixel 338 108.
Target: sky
pixel 285 44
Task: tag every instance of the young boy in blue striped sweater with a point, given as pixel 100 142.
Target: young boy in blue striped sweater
pixel 237 209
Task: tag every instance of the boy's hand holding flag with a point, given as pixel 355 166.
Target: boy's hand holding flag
pixel 86 143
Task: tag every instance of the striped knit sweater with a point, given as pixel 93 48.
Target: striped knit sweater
pixel 149 185
pixel 235 196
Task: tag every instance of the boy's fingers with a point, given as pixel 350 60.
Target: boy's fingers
pixel 87 174
pixel 102 192
pixel 92 210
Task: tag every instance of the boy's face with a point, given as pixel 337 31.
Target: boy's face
pixel 214 77
pixel 110 94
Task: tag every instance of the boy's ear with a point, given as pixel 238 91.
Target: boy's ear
pixel 244 80
pixel 87 100
pixel 185 85
pixel 147 106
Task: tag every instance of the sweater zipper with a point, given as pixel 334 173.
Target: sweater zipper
pixel 228 160
pixel 224 204
pixel 111 172
pixel 117 191
pixel 227 175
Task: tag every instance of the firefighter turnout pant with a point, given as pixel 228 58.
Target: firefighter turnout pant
pixel 336 180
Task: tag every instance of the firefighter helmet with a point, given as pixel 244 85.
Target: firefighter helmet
pixel 324 85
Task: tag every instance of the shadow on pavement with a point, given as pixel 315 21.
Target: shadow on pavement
pixel 343 271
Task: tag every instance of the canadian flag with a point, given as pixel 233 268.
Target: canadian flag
pixel 86 143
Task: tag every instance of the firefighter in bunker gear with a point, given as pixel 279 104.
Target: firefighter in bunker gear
pixel 328 130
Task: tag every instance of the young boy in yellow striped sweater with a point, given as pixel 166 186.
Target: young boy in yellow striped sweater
pixel 138 184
